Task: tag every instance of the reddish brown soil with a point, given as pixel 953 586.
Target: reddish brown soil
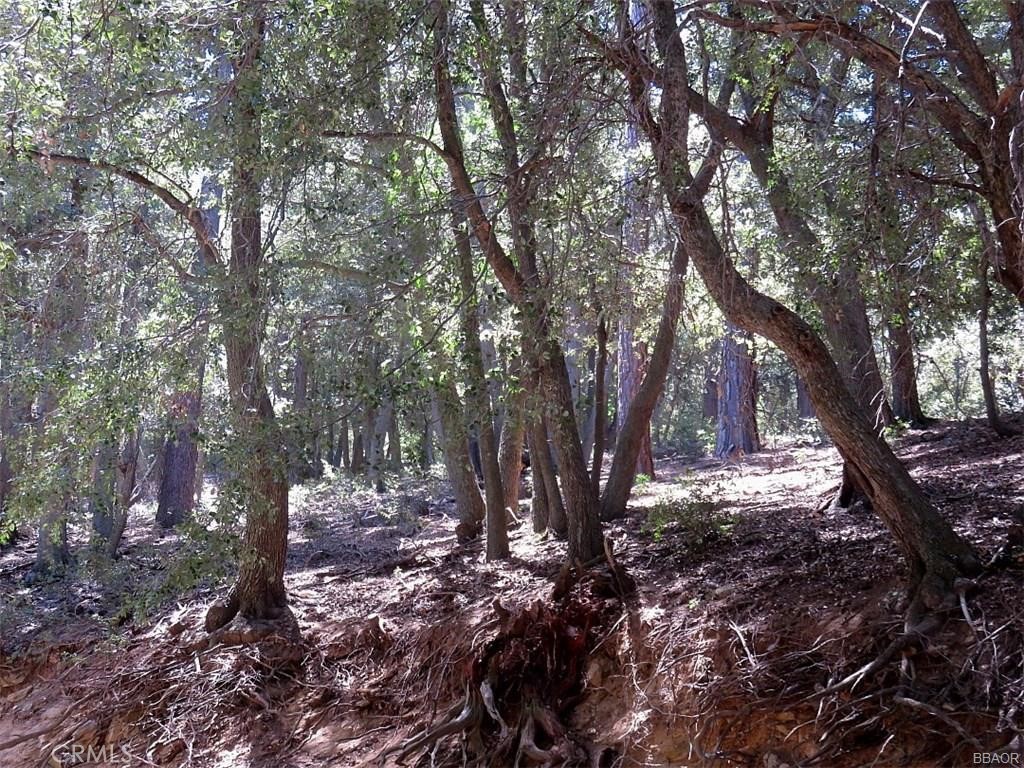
pixel 753 594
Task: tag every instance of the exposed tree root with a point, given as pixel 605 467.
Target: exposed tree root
pixel 524 681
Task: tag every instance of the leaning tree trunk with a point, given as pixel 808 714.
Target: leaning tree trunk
pixel 935 553
pixel 262 480
pixel 736 433
pixel 636 422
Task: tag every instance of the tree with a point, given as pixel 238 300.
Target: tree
pixel 935 553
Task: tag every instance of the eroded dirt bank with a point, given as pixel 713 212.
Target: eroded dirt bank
pixel 751 598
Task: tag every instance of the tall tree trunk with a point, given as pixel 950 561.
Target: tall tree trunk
pixel 600 404
pixel 736 433
pixel 101 495
pixel 635 242
pixel 804 406
pixel 180 454
pixel 935 553
pixel 358 449
pixel 378 430
pixel 637 420
pixel 394 443
pixel 906 403
pixel 478 400
pixel 987 390
pixel 343 454
pixel 262 482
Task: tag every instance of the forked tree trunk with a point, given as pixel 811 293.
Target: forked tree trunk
pixel 262 482
pixel 736 433
pixel 935 553
pixel 522 285
pixel 636 424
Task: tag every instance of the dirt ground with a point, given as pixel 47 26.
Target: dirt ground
pixel 753 598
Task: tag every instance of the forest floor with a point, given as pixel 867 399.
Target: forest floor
pixel 753 597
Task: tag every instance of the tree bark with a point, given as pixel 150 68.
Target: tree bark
pixel 736 434
pixel 600 403
pixel 906 402
pixel 469 504
pixel 180 458
pixel 513 434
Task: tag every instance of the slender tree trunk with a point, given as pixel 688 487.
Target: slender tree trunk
pixel 989 252
pixel 262 482
pixel 101 496
pixel 539 497
pixel 522 285
pixel 935 553
pixel 600 404
pixel 394 443
pixel 478 398
pixel 513 435
pixel 344 453
pixel 125 474
pixel 556 515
